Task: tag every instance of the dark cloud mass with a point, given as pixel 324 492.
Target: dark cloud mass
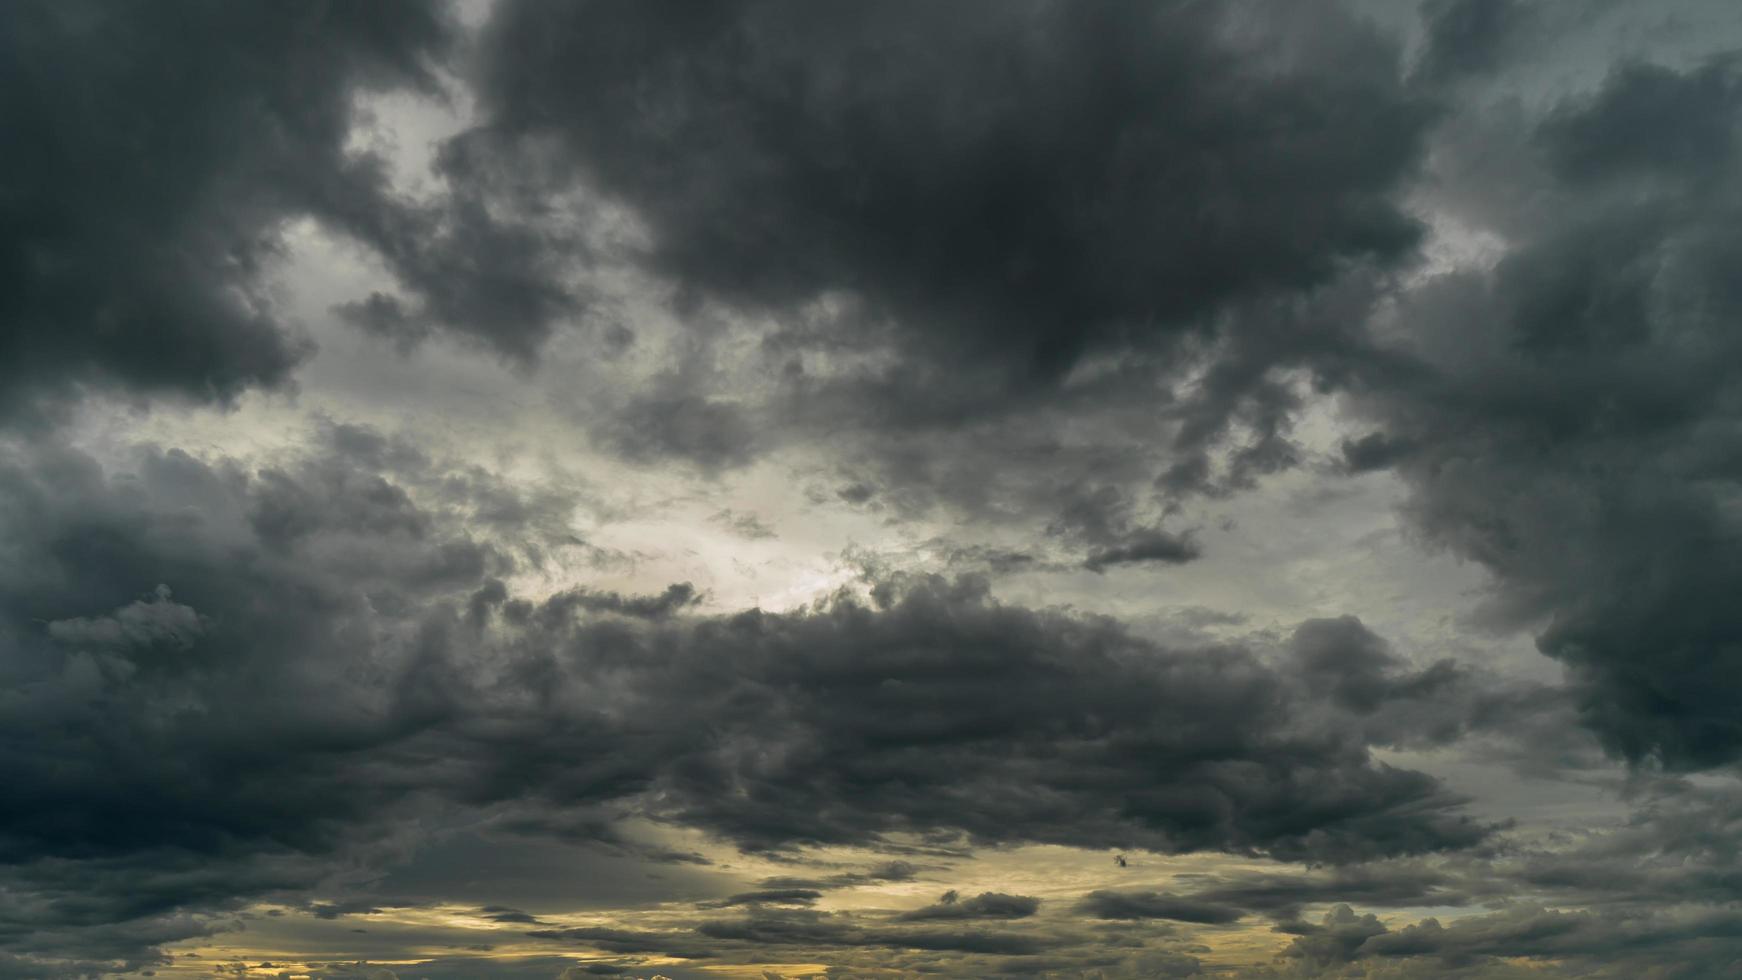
pixel 946 210
pixel 1007 488
pixel 259 685
pixel 153 156
pixel 1155 905
pixel 1016 182
pixel 1571 427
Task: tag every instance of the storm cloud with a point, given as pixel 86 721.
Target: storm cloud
pixel 257 687
pixel 232 120
pixel 1567 427
pixel 997 489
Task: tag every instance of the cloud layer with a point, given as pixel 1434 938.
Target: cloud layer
pixel 990 489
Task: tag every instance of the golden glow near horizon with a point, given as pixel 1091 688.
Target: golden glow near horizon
pixel 276 940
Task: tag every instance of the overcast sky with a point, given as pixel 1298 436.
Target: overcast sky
pixel 1000 488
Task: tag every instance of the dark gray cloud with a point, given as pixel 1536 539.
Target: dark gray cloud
pixel 769 896
pixel 859 721
pixel 986 905
pixel 682 945
pixel 1284 895
pixel 155 153
pixel 255 669
pixel 768 927
pixel 484 262
pixel 1669 943
pixel 1022 182
pixel 946 212
pixel 676 598
pixel 1471 37
pixel 1155 905
pixel 887 871
pixel 1147 545
pixel 808 933
pixel 218 738
pixel 1104 519
pixel 1337 938
pixel 501 913
pixel 1567 421
pixel 160 153
pixel 710 432
pixel 1529 726
pixel 1374 451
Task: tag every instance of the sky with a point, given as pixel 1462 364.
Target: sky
pixel 808 488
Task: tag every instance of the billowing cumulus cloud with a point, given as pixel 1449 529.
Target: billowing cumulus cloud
pixel 1017 182
pixel 1567 423
pixel 337 647
pixel 948 215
